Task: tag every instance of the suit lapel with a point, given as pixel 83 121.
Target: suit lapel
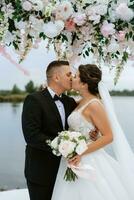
pixel 53 106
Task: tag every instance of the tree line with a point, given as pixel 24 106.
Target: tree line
pixel 29 88
pixel 18 95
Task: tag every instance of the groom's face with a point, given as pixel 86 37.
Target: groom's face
pixel 65 78
pixel 76 82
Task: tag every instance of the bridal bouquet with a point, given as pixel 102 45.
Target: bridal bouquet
pixel 68 144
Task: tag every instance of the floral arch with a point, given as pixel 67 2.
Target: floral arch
pixel 101 28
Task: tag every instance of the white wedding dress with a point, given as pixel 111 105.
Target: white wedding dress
pixel 105 182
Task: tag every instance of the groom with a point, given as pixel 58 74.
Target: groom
pixel 45 114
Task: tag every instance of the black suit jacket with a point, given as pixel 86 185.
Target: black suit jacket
pixel 41 121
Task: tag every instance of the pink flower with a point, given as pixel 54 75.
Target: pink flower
pixel 121 36
pixel 131 58
pixel 107 29
pixel 70 25
pixel 1 49
pixel 80 19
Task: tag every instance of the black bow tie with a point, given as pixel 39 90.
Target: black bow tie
pixel 56 98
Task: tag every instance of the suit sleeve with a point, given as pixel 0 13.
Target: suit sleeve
pixel 32 124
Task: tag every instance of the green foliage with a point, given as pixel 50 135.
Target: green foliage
pixel 122 93
pixel 6 96
pixel 30 88
pixel 15 90
pixel 13 98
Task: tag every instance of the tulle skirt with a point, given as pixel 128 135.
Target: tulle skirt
pixel 106 181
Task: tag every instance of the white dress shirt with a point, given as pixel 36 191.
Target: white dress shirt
pixel 59 105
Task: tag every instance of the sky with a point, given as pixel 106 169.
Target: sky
pixel 36 63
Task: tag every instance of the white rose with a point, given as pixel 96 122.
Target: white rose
pixel 52 29
pixel 27 6
pixel 74 135
pixel 101 9
pixel 81 147
pixel 37 24
pixel 20 25
pixel 33 32
pixel 113 47
pixel 107 29
pixel 59 25
pixel 45 2
pixel 37 4
pixel 103 1
pixel 33 19
pixel 80 18
pixel 124 13
pixel 112 15
pixel 62 133
pixel 95 18
pixel 54 143
pixel 66 147
pixel 63 10
pixel 9 37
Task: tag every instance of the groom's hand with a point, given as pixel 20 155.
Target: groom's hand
pixel 94 134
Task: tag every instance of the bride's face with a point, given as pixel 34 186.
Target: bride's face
pixel 76 82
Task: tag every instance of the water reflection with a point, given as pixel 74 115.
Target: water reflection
pixel 12 144
pixel 15 107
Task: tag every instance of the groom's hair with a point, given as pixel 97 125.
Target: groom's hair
pixel 54 65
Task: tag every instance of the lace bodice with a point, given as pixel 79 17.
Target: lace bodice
pixel 77 121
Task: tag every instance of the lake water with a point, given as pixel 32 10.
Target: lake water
pixel 12 144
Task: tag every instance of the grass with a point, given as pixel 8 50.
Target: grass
pixel 13 98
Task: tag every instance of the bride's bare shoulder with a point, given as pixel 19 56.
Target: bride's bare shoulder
pixel 95 104
pixel 96 107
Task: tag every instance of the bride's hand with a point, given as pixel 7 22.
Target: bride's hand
pixel 75 160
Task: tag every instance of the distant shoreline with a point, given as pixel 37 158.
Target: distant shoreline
pixel 13 98
pixel 18 98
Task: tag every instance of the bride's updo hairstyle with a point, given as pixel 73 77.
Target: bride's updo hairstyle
pixel 91 75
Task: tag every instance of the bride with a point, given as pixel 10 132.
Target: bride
pixel 109 178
